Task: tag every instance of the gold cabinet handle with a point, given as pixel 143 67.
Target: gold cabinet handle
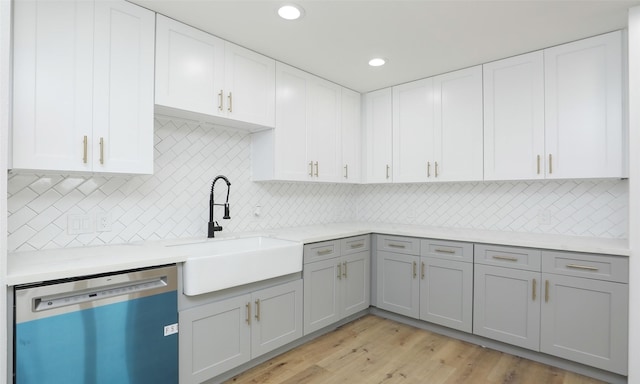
pixel 533 290
pixel 346 171
pixel 538 167
pixel 449 251
pixel 311 168
pixel 550 164
pixel 324 252
pixel 258 309
pixel 248 319
pixel 507 258
pixel 316 168
pixel 230 98
pixel 220 101
pixel 387 171
pixel 344 269
pixel 396 245
pixel 546 291
pixel 358 245
pixel 436 164
pixel 428 169
pixel 84 149
pixel 415 267
pixel 340 271
pixel 585 267
pixel 101 150
pixel 422 271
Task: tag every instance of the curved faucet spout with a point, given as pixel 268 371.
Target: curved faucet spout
pixel 213 225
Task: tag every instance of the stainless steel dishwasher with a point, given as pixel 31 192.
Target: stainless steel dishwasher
pixel 116 328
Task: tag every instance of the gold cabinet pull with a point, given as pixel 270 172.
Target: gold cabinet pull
pixel 101 150
pixel 248 319
pixel 585 267
pixel 538 164
pixel 533 290
pixel 84 149
pixel 415 267
pixel 316 169
pixel 358 245
pixel 340 271
pixel 324 252
pixel 392 245
pixel 220 101
pixel 506 258
pixel 387 171
pixel 311 168
pixel 346 171
pixel 449 251
pixel 344 269
pixel 422 271
pixel 258 309
pixel 230 98
pixel 436 165
pixel 428 169
pixel 546 291
pixel 550 164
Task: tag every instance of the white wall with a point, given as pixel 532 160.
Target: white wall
pixel 634 192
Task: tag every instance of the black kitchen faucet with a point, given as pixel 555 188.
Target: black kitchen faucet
pixel 213 225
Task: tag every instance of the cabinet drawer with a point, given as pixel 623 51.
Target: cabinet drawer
pixel 355 244
pixel 449 250
pixel 321 251
pixel 398 244
pixel 601 267
pixel 508 257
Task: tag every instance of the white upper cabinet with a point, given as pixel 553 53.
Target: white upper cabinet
pixel 413 132
pixel 201 76
pixel 378 135
pixel 351 136
pixel 458 125
pixel 583 108
pixel 83 86
pixel 514 118
pixel 323 130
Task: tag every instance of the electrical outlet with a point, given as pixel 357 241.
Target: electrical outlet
pixel 544 217
pixel 170 329
pixel 103 222
pixel 77 224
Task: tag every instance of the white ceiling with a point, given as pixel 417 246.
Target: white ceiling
pixel 336 39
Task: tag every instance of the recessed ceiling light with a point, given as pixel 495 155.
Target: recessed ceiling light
pixel 377 62
pixel 290 11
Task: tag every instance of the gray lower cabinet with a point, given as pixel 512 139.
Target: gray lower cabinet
pixel 221 335
pixel 336 281
pixel 398 283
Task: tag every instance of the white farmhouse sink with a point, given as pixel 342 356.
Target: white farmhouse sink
pixel 213 265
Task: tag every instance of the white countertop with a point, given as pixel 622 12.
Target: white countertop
pixel 36 266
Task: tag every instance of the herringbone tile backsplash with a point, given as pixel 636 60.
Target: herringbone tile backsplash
pixel 173 202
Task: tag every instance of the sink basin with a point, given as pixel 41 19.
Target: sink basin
pixel 213 265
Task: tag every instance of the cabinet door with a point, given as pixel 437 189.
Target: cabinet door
pixel 189 68
pixel 458 125
pixel 321 306
pixel 278 317
pixel 323 130
pixel 291 124
pixel 52 88
pixel 351 136
pixel 514 118
pixel 506 305
pixel 123 88
pixel 398 285
pixel 250 86
pixel 378 135
pixel 214 338
pixel 585 320
pixel 446 293
pixel 413 131
pixel 355 285
pixel 583 108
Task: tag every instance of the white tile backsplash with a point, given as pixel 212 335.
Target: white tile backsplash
pixel 173 202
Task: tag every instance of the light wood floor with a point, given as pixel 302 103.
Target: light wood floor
pixel 377 350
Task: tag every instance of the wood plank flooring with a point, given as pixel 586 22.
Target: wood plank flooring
pixel 377 350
